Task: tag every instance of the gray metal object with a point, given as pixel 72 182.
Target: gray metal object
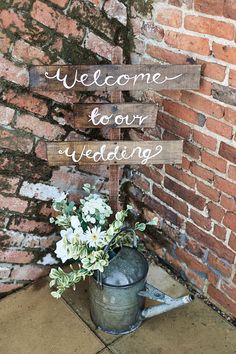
pixel 117 296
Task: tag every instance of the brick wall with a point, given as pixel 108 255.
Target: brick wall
pixel 43 32
pixel 195 202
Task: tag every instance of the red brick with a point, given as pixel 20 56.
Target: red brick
pixel 210 242
pixel 7 287
pixel 232 244
pixel 152 173
pixel 215 212
pixel 149 30
pixel 13 204
pixel 204 140
pixel 4 43
pixel 220 298
pixel 209 26
pixel 187 43
pixel 216 163
pixel 230 9
pixel 229 290
pixel 180 175
pixel 180 111
pixel 41 150
pixel 207 191
pixel 228 203
pixel 174 262
pixel 190 261
pixel 141 183
pixel 230 221
pixel 197 281
pixel 224 53
pixel 25 52
pixel 201 172
pixel 219 128
pixel 161 210
pixel 174 203
pixel 230 115
pixel 232 78
pixel 232 172
pixel 29 272
pixel 212 278
pixel 200 220
pixel 14 256
pixel 116 9
pixel 27 102
pixel 6 115
pixel 38 127
pixel 169 17
pixel 205 87
pixel 219 232
pixel 218 265
pixel 4 272
pixel 31 226
pixel 186 194
pixel 166 55
pixel 53 19
pixel 228 152
pixel 191 150
pixel 202 104
pixel 195 248
pixel 10 140
pixel 180 3
pixel 173 125
pixel 213 70
pixel 211 7
pixel 11 72
pixel 185 163
pixel 99 46
pixel 225 186
pixel 60 3
pixel 12 21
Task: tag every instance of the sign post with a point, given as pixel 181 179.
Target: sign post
pixel 116 115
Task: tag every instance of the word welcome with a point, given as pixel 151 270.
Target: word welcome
pixel 118 153
pixel 98 118
pixel 97 79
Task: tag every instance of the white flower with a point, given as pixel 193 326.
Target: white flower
pixel 61 197
pixel 94 236
pixel 68 234
pixel 61 251
pixel 74 220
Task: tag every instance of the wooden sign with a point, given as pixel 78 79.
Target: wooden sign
pixel 114 152
pixel 115 77
pixel 125 115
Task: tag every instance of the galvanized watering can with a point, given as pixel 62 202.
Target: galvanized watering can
pixel 117 296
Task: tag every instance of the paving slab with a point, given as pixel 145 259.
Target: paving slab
pixel 194 328
pixel 32 322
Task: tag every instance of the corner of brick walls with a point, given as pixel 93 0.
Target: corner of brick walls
pixel 195 202
pixel 44 32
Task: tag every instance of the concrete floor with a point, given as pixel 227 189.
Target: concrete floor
pixel 32 322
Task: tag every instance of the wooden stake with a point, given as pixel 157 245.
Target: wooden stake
pixel 114 134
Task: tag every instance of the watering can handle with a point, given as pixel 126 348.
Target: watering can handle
pixel 106 249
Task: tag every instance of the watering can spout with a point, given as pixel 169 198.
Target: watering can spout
pixel 169 303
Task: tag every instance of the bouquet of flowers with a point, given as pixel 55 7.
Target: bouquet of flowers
pixel 85 233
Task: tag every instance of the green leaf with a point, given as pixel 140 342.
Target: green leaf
pixel 56 294
pixel 154 221
pixel 140 227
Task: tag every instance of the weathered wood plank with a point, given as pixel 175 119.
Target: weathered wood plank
pixel 114 152
pixel 115 77
pixel 115 134
pixel 126 115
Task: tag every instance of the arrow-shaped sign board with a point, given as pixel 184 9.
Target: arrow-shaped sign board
pixel 114 152
pixel 114 77
pixel 122 115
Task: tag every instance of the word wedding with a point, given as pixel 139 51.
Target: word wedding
pixel 118 153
